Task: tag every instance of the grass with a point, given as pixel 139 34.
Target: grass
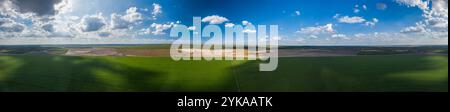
pixel 360 73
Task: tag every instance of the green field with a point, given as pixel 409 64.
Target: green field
pixel 359 73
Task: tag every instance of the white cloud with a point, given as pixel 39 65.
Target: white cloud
pixel 144 31
pixel 65 6
pixel 123 22
pixel 300 40
pixel 132 15
pixel 158 29
pixel 249 31
pixel 436 16
pixel 414 3
pixel 38 15
pixel 413 29
pixel 419 28
pixel 157 10
pixel 192 28
pixel 266 38
pixel 313 36
pixel 117 22
pixel 375 38
pixel 372 23
pixel 351 20
pixel 356 9
pixel 336 16
pixel 229 25
pixel 318 29
pixel 297 13
pixel 215 19
pixel 245 23
pixel 340 36
pixel 359 35
pixel 92 23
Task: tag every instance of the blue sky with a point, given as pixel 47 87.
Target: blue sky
pixel 301 22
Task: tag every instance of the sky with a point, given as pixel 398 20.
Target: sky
pixel 300 22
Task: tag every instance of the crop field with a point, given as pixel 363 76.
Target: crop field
pixel 156 74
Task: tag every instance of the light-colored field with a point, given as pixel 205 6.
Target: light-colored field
pixel 166 52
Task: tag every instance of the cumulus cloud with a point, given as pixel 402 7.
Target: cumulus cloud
pixel 414 3
pixel 246 30
pixel 328 28
pixel 229 25
pixel 413 29
pixel 359 35
pixel 245 23
pixel 215 19
pixel 132 15
pixel 117 22
pixel 34 9
pixel 8 25
pixel 192 28
pixel 64 6
pixel 436 16
pixel 372 23
pixel 123 22
pixel 157 10
pixel 158 29
pixel 249 31
pixel 37 14
pixel 90 23
pixel 313 36
pixel 38 7
pixel 340 36
pixel 351 20
pixel 336 16
pixel 356 9
pixel 374 38
pixel 355 20
pixel 419 28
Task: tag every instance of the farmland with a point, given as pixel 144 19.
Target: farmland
pixel 378 73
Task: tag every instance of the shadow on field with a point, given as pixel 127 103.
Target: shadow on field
pixel 348 74
pixel 55 73
pixel 320 74
pixel 112 74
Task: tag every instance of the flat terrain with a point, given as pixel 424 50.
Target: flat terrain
pixel 311 74
pixel 148 68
